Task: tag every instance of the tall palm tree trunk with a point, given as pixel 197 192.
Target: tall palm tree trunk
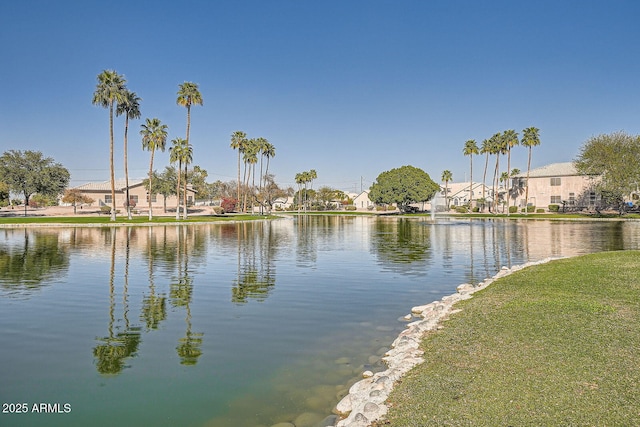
pixel 126 167
pixel 184 195
pixel 238 200
pixel 495 184
pixel 113 177
pixel 508 186
pixel 178 191
pixel 484 180
pixel 526 191
pixel 470 182
pixel 150 193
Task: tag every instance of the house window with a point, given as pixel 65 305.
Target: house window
pixel 108 199
pixel 555 182
pixel 572 198
pixel 134 199
pixel 592 198
pixel 153 198
pixel 556 199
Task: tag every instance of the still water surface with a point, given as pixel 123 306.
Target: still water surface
pixel 245 324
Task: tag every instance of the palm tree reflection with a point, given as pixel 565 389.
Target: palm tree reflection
pixel 116 347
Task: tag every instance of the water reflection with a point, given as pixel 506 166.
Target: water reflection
pixel 113 349
pixel 31 258
pixel 257 246
pixel 189 305
pixel 402 245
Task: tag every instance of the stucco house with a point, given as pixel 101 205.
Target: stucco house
pixel 362 201
pixel 100 192
pixel 558 184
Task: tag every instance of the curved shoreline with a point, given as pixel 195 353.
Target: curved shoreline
pixel 366 401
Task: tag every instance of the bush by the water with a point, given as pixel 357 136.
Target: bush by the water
pixel 350 208
pixel 513 209
pixel 554 208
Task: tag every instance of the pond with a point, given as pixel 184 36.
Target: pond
pixel 246 324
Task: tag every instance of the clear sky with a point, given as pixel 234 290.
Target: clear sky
pixel 350 88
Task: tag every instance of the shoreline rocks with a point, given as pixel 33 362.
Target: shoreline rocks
pixel 366 399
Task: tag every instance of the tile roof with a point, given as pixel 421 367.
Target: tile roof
pixel 554 169
pixel 106 185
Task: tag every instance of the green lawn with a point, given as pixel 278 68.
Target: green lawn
pixel 556 344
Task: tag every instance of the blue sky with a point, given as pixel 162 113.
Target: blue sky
pixel 349 88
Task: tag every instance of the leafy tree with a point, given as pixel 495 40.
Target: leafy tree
pixel 4 194
pixel 327 195
pixel 75 197
pixel 615 157
pixel 403 186
pixel 198 178
pixel 154 137
pixel 188 95
pixel 446 177
pixel 130 107
pixel 109 91
pixel 530 139
pixel 470 148
pixel 28 172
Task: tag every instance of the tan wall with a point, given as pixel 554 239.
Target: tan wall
pixel 138 194
pixel 541 190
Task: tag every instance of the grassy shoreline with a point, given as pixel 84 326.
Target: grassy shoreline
pixel 105 221
pixel 553 344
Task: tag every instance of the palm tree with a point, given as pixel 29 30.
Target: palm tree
pixel 109 90
pixel 177 153
pixel 238 142
pixel 494 144
pixel 250 158
pixel 130 107
pixel 485 149
pixel 301 178
pixel 516 188
pixel 154 137
pixel 446 177
pixel 530 139
pixel 511 140
pixel 470 148
pixel 188 95
pixel 504 178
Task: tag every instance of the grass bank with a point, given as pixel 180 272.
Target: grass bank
pixel 551 345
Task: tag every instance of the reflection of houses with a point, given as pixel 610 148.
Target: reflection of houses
pixel 554 184
pixel 101 193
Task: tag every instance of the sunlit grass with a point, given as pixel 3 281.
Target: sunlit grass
pixel 551 345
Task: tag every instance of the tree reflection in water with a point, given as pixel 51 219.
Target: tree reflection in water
pixel 26 263
pixel 181 292
pixel 255 272
pixel 116 347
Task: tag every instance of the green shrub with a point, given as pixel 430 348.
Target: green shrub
pixel 540 210
pixel 350 208
pixel 554 208
pixel 105 209
pixel 381 208
pixel 476 209
pixel 531 208
pixel 218 210
pixel 513 209
pixel 461 209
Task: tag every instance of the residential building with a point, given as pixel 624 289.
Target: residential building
pixel 362 201
pixel 555 184
pixel 100 192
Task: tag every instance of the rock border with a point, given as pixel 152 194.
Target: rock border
pixel 366 401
